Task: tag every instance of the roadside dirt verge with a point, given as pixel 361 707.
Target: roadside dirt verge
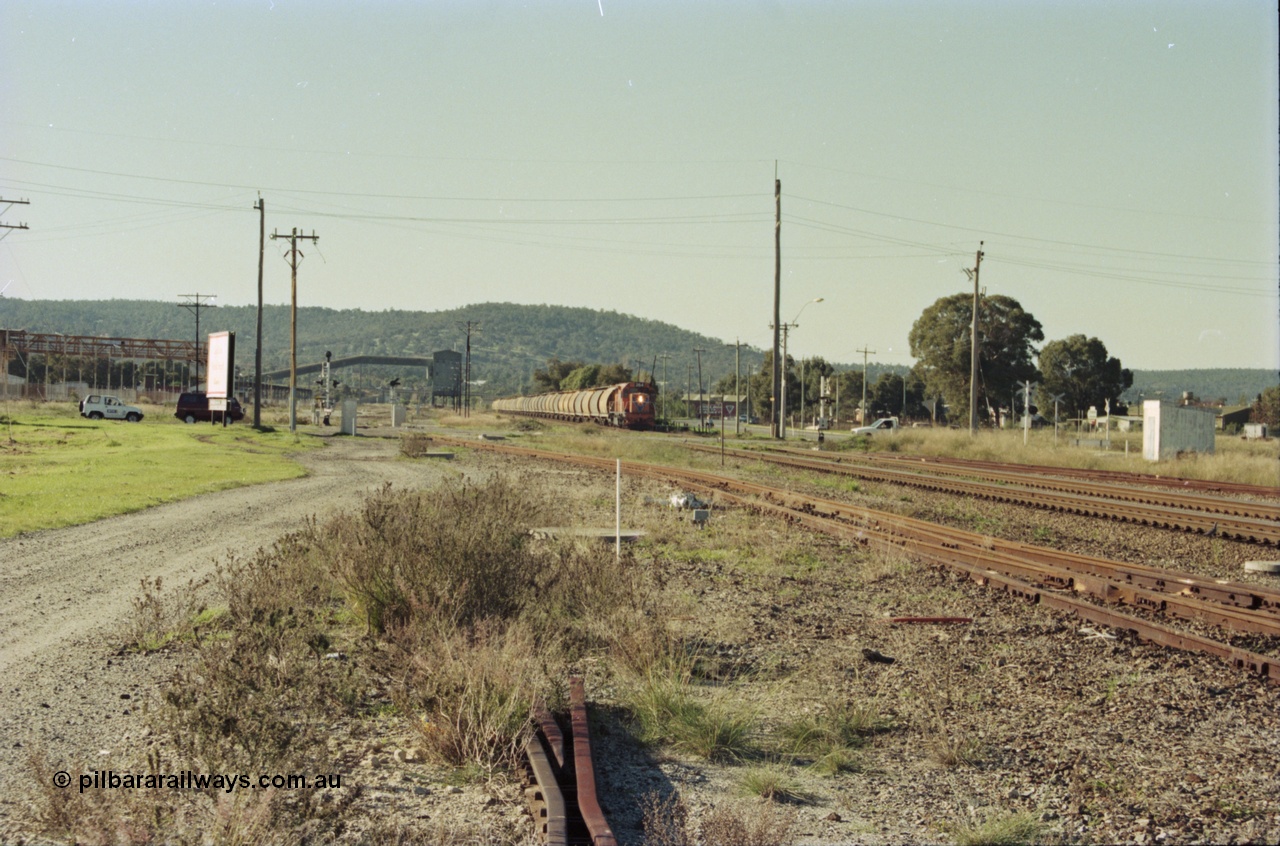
pixel 69 695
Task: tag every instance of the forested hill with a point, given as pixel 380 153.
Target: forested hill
pixel 1232 386
pixel 511 341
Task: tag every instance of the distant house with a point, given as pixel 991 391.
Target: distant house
pixel 1232 415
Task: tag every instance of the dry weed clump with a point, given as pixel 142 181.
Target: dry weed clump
pixel 160 616
pixel 480 613
pixel 260 696
pixel 473 691
pixel 415 445
pixel 461 549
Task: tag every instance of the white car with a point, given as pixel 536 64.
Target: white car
pixel 884 424
pixel 104 406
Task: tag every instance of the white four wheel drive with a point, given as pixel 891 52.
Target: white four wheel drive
pixel 884 424
pixel 105 407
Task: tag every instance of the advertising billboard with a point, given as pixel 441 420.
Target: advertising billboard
pixel 222 359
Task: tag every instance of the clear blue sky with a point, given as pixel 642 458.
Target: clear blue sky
pixel 1119 159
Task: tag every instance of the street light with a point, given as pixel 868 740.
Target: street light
pixel 782 400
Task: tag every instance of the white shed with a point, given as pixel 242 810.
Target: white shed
pixel 1170 429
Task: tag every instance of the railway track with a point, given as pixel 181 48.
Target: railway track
pixel 1092 588
pixel 561 779
pixel 1242 520
pixel 1109 476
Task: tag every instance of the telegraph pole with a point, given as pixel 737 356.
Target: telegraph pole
pixel 974 346
pixel 9 227
pixel 6 229
pixel 688 387
pixel 294 255
pixel 777 424
pixel 663 395
pixel 468 327
pixel 865 352
pixel 193 304
pixel 257 349
pixel 698 351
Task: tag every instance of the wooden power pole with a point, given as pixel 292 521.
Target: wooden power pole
pixel 294 255
pixel 974 346
pixel 776 424
pixel 257 346
pixel 865 352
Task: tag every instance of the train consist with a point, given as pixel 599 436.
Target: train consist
pixel 628 405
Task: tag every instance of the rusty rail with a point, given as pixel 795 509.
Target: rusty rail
pixel 545 798
pixel 1100 485
pixel 585 770
pixel 1108 476
pixel 1263 529
pixel 562 789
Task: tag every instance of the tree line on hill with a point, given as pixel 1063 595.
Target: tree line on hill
pixel 530 348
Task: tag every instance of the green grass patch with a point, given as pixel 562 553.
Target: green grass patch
pixel 773 784
pixel 1001 831
pixel 59 469
pixel 667 710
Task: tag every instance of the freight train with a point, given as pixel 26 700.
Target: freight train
pixel 628 405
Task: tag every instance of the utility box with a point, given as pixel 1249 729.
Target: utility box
pixel 1255 431
pixel 1171 429
pixel 348 422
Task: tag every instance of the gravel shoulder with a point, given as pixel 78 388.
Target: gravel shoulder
pixel 67 689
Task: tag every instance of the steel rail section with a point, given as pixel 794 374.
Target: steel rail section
pixel 545 798
pixel 1111 476
pixel 588 803
pixel 1173 587
pixel 963 551
pixel 1045 569
pixel 551 732
pixel 1245 529
pixel 1043 479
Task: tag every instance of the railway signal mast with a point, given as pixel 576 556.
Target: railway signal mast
pixel 1026 409
pixel 1057 398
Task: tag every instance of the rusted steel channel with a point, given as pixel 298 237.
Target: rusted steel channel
pixel 1087 500
pixel 1117 477
pixel 562 789
pixel 1037 574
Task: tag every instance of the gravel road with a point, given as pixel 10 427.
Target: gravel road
pixel 67 688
